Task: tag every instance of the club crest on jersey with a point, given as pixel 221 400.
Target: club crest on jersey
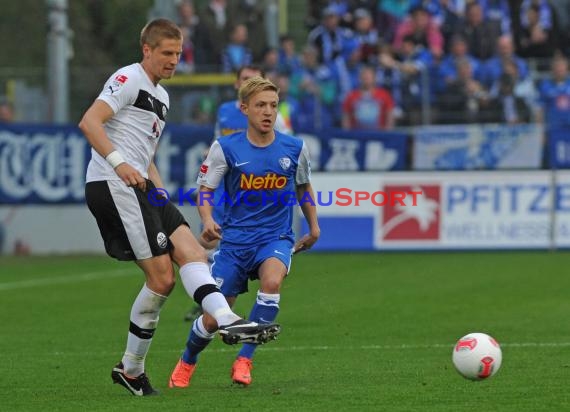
pixel 285 163
pixel 161 240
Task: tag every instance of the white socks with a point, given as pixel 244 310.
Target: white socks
pixel 201 287
pixel 144 318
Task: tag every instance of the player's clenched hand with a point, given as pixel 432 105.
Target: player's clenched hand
pixel 306 242
pixel 131 176
pixel 212 231
pixel 207 244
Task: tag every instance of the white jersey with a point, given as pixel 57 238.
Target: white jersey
pixel 140 110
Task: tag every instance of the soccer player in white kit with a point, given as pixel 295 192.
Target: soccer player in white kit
pixel 123 126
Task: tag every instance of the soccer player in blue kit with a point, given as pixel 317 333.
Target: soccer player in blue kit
pixel 262 171
pixel 229 120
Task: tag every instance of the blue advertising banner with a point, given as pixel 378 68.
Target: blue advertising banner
pixel 47 164
pixel 339 150
pixel 469 147
pixel 42 164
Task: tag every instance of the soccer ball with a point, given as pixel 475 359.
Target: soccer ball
pixel 477 356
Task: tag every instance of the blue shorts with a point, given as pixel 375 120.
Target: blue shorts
pixel 232 268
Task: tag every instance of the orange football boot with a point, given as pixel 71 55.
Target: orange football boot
pixel 241 371
pixel 181 375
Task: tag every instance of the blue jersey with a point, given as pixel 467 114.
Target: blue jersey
pixel 259 186
pixel 230 119
pixel 555 100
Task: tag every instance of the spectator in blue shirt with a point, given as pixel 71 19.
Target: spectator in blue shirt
pixel 494 66
pixel 448 67
pixel 555 95
pixel 328 38
pixel 418 73
pixel 366 35
pixel 236 54
pixel 289 60
pixel 499 11
pixel 313 85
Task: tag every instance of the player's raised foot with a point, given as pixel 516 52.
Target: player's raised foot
pixel 139 386
pixel 244 331
pixel 241 371
pixel 181 375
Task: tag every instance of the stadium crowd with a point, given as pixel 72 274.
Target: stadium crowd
pixel 378 64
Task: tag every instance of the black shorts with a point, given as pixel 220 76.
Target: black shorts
pixel 132 228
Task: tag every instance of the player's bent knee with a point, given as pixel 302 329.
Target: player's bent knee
pixel 162 286
pixel 161 278
pixel 168 283
pixel 185 254
pixel 271 285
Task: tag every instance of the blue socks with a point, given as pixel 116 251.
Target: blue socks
pixel 198 339
pixel 264 311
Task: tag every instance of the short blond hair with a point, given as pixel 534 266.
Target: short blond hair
pixel 157 30
pixel 253 86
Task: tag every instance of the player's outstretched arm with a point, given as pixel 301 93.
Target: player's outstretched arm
pixel 306 199
pixel 92 127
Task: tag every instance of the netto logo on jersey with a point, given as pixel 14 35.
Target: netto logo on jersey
pixel 227 131
pixel 269 181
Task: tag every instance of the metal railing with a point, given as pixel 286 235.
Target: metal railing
pixel 193 96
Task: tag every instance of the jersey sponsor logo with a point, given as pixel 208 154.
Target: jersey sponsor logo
pixel 269 181
pixel 412 222
pixel 155 134
pixel 285 163
pixel 203 171
pixel 227 131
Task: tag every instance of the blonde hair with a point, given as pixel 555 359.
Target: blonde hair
pixel 158 29
pixel 253 86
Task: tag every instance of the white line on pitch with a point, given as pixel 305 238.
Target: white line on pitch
pixel 335 348
pixel 58 280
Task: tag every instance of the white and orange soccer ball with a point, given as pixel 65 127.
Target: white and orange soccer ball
pixel 477 356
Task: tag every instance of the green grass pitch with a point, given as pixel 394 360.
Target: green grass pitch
pixel 362 332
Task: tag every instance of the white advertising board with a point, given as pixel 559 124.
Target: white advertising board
pixel 457 210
